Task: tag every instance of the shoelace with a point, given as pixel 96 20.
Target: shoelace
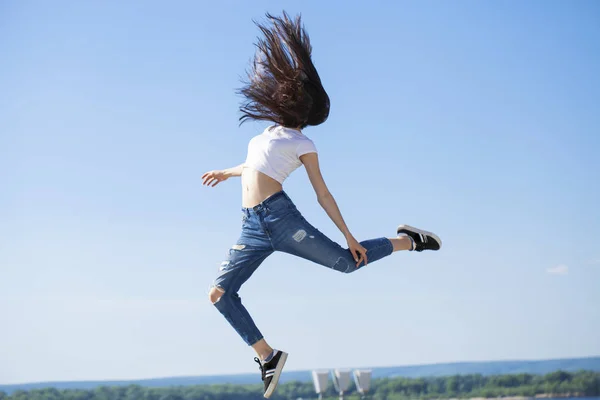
pixel 262 370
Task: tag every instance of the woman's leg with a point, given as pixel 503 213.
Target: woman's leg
pixel 243 260
pixel 294 235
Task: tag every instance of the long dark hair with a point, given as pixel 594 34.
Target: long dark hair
pixel 283 84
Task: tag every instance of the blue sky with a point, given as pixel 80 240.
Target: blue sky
pixel 477 120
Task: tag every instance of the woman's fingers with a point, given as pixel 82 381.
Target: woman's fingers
pixel 212 178
pixel 364 254
pixel 353 251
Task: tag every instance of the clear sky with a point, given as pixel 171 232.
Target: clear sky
pixel 478 120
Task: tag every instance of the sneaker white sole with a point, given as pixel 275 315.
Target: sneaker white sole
pixel 422 232
pixel 275 380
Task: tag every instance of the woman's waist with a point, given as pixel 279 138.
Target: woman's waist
pixel 278 204
pixel 257 187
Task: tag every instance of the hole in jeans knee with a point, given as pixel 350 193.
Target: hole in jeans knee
pixel 343 266
pixel 215 294
pixel 224 265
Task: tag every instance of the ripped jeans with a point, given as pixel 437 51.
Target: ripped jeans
pixel 277 225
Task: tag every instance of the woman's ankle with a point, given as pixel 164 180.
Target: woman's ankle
pixel 262 349
pixel 402 243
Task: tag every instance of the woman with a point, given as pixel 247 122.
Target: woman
pixel 284 88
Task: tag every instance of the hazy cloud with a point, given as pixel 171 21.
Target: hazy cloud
pixel 558 270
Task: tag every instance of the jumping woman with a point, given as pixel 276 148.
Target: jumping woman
pixel 285 89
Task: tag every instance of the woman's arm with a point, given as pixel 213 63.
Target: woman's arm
pixel 212 178
pixel 326 200
pixel 324 196
pixel 234 171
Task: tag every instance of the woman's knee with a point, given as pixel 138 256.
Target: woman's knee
pixel 345 265
pixel 215 294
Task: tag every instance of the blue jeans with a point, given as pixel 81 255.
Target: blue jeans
pixel 277 225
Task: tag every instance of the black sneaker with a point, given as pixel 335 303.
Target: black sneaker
pixel 271 371
pixel 422 240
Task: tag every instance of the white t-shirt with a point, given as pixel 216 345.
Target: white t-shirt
pixel 276 152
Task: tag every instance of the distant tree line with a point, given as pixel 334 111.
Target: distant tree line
pixel 560 383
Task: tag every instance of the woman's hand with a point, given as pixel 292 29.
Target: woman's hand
pixel 212 178
pixel 358 251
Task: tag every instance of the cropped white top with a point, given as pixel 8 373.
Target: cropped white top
pixel 276 152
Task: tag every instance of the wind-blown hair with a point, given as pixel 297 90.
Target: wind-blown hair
pixel 283 84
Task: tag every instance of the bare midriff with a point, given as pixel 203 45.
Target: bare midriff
pixel 257 187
